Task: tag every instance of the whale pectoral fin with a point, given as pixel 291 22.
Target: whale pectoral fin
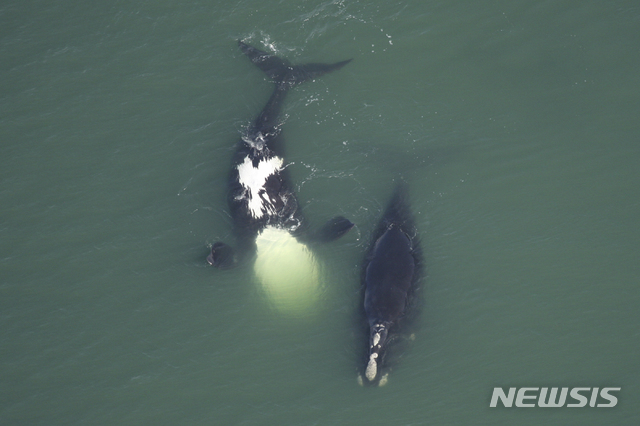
pixel 222 256
pixel 335 228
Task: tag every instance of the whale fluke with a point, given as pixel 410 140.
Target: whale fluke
pixel 282 71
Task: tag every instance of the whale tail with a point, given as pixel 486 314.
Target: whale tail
pixel 285 76
pixel 282 72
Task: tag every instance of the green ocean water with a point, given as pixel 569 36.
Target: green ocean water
pixel 515 125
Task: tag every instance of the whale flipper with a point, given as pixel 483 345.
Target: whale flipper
pixel 333 229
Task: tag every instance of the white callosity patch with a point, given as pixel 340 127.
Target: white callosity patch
pixel 383 380
pixel 376 339
pixel 257 142
pixel 253 180
pixel 372 367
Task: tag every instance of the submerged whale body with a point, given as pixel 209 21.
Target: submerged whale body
pixel 390 275
pixel 260 195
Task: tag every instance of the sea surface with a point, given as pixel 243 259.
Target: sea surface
pixel 516 125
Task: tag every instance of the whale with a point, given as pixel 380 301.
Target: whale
pixel 391 272
pixel 260 195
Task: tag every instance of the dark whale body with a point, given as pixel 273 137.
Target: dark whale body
pixel 391 272
pixel 259 190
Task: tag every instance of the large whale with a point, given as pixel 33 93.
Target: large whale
pixel 260 195
pixel 391 271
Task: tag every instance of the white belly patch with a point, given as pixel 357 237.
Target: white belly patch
pixel 253 180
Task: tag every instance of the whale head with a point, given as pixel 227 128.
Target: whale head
pixel 378 333
pixel 222 256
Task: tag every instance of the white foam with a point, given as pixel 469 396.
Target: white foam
pixel 253 180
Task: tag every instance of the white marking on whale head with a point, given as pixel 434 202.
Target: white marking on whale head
pixel 377 336
pixel 383 380
pixel 376 339
pixel 258 141
pixel 253 180
pixel 372 367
